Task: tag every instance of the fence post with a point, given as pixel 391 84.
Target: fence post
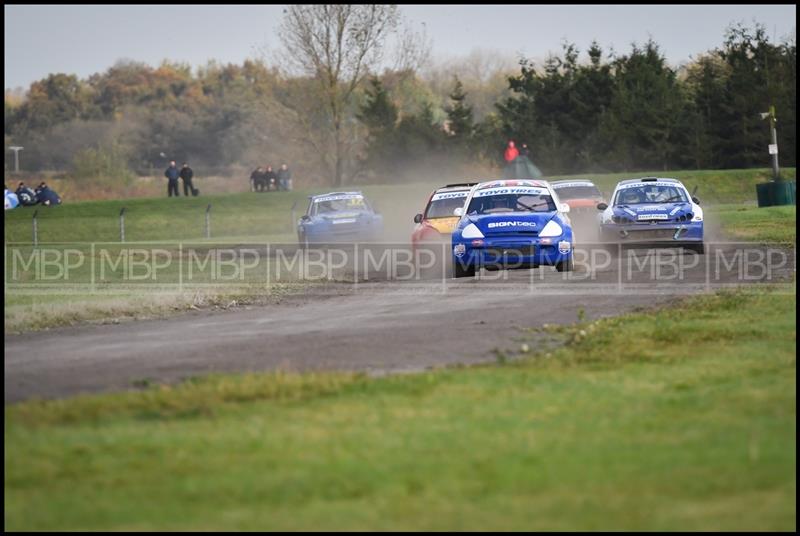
pixel 122 225
pixel 208 221
pixel 35 229
pixel 294 206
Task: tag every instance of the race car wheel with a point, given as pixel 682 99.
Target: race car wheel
pixel 700 249
pixel 566 266
pixel 463 271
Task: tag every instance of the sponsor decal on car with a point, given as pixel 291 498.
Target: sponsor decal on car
pixel 564 246
pixel 573 184
pixel 449 195
pixel 641 184
pixel 344 220
pixel 530 190
pixel 494 224
pixel 338 197
pixel 459 250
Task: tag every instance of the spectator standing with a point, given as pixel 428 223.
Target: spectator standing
pixel 511 152
pixel 186 174
pixel 255 178
pixel 284 178
pixel 172 175
pixel 525 151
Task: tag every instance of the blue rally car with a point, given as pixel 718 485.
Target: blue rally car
pixel 653 212
pixel 509 224
pixel 338 217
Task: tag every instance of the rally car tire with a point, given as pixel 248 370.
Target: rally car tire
pixel 460 271
pixel 566 266
pixel 700 249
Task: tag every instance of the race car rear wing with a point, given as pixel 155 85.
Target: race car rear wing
pixel 470 184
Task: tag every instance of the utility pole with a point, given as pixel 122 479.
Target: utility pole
pixel 16 150
pixel 773 148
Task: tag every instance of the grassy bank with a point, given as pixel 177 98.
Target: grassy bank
pixel 681 419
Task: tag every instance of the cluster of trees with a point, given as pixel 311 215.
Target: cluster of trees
pixel 342 121
pixel 634 111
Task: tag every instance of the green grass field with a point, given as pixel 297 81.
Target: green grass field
pixel 678 419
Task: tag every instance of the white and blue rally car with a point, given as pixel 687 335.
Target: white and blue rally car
pixel 652 212
pixel 507 224
pixel 339 217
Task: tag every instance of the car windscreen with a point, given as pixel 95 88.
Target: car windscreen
pixel 639 194
pixel 339 203
pixel 511 199
pixel 443 204
pixel 577 192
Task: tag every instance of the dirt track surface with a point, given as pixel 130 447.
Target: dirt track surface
pixel 378 327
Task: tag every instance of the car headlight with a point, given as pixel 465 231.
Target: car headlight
pixel 471 231
pixel 551 229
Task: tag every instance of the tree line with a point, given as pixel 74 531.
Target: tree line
pixel 593 113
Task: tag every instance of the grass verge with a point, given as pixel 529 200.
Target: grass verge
pixel 677 419
pixel 776 225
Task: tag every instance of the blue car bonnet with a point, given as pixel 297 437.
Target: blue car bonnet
pixel 510 222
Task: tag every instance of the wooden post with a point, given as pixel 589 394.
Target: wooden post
pixel 122 225
pixel 208 221
pixel 35 229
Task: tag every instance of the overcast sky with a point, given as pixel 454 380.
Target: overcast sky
pixel 86 39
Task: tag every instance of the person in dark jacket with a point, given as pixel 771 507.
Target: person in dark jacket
pixel 47 196
pixel 271 179
pixel 186 174
pixel 524 151
pixel 27 197
pixel 284 178
pixel 257 179
pixel 172 173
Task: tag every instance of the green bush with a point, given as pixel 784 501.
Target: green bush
pixel 103 164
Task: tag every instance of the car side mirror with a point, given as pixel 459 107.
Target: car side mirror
pixel 458 212
pixel 602 206
pixel 564 208
pixel 305 217
pixel 697 201
pixel 418 218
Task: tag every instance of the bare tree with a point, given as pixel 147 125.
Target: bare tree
pixel 337 45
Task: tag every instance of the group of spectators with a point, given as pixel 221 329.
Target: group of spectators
pixel 26 196
pixel 264 179
pixel 512 152
pixel 185 174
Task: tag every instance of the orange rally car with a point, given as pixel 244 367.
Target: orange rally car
pixel 438 220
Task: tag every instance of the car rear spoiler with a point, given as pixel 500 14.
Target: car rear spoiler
pixel 460 184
